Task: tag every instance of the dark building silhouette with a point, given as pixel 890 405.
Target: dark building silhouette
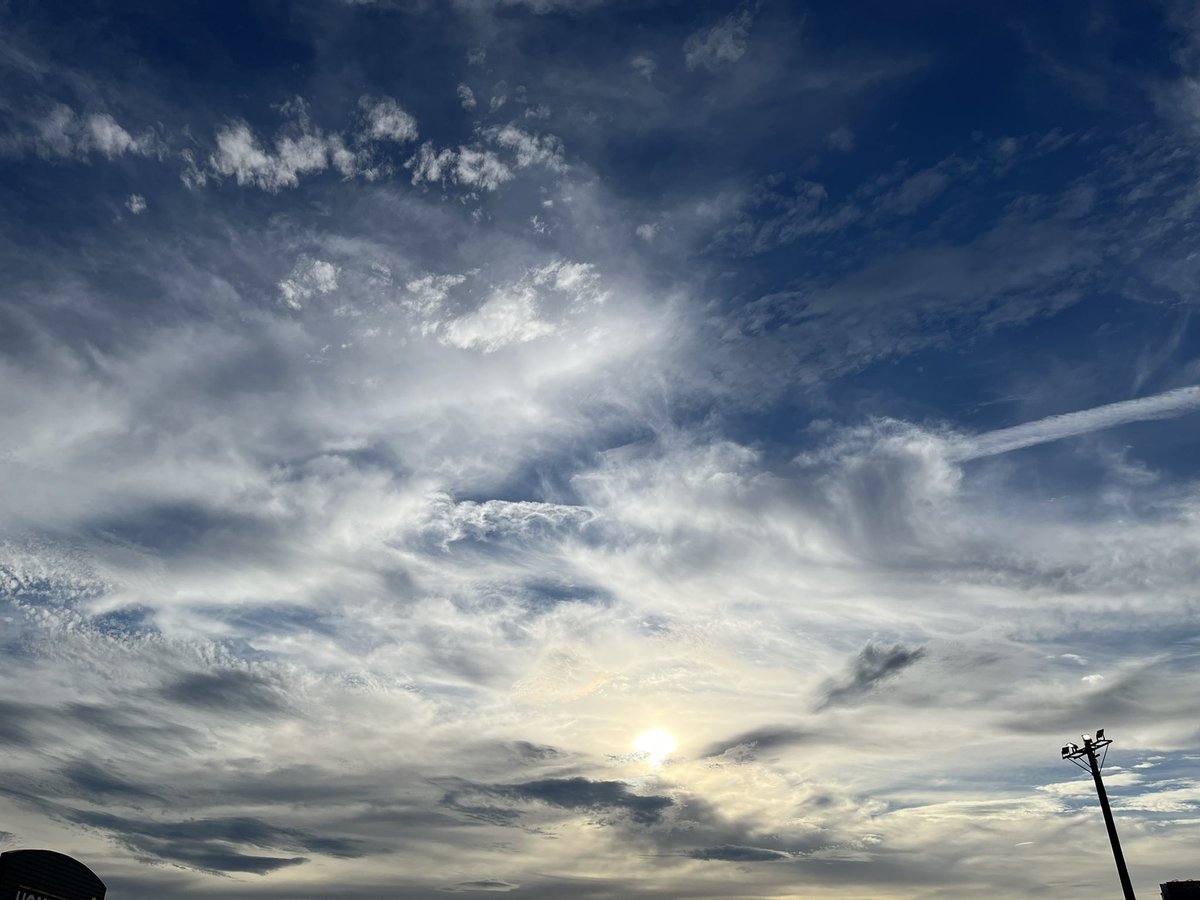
pixel 46 875
pixel 1181 890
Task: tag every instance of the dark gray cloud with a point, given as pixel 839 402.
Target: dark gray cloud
pixel 185 529
pixel 526 750
pixel 488 815
pixel 875 663
pixel 15 721
pixel 309 783
pixel 142 724
pixel 206 844
pixel 565 793
pixel 210 843
pixel 581 793
pixel 699 825
pixel 225 690
pixel 209 857
pixel 104 784
pixel 766 738
pixel 31 724
pixel 733 853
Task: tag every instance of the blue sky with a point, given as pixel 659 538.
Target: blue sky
pixel 410 405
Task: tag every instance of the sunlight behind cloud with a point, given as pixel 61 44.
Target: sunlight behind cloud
pixel 656 743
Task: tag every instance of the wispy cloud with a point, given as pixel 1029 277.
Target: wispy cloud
pixel 468 166
pixel 1169 404
pixel 874 664
pixel 309 277
pixel 62 132
pixel 720 44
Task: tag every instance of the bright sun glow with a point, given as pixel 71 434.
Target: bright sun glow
pixel 655 743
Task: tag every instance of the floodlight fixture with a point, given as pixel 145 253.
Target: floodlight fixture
pixel 1076 754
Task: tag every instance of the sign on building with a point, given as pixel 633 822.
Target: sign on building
pixel 46 875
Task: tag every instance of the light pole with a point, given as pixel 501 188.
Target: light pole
pixel 1075 753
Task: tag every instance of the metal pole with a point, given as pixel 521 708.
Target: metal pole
pixel 1126 886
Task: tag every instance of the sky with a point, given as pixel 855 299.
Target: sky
pixel 599 448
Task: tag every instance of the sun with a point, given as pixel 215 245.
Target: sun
pixel 656 744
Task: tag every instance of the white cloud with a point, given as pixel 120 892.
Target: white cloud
pixel 62 132
pixel 106 136
pixel 302 149
pixel 240 155
pixel 537 305
pixel 467 166
pixel 429 291
pixel 719 45
pixel 193 175
pixel 426 296
pixel 1085 788
pixel 431 165
pixel 309 277
pixel 387 121
pixel 499 519
pixel 644 65
pixel 57 131
pixel 507 317
pixel 1177 402
pixel 480 168
pixel 466 97
pixel 580 279
pixel 136 204
pixel 646 231
pixel 530 149
pixel 346 161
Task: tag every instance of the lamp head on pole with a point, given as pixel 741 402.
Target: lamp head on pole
pixel 1073 751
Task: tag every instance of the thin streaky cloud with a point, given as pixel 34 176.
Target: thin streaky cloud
pixel 1167 405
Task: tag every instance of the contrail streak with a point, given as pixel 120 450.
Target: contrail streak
pixel 1053 428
